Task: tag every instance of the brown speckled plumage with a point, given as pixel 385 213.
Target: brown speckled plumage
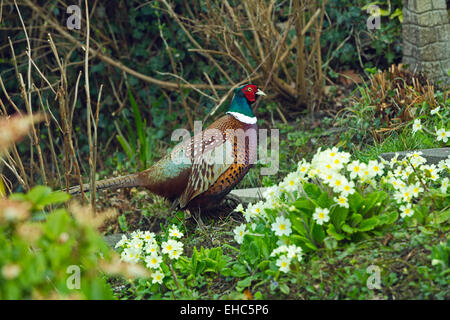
pixel 193 185
pixel 244 155
pixel 197 182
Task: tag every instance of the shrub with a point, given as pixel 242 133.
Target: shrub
pixel 56 255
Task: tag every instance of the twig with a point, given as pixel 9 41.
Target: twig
pixel 35 138
pixel 188 84
pixel 211 84
pixel 195 43
pixel 174 68
pixel 40 73
pixel 29 49
pixel 300 82
pixel 92 163
pixel 17 159
pixel 50 137
pixel 98 53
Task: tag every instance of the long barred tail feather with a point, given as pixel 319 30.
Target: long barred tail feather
pixel 131 180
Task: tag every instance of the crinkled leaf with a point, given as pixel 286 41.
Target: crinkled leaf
pixel 331 230
pixel 312 190
pixel 368 224
pixel 347 228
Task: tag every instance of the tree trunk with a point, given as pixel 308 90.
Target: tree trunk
pixel 426 39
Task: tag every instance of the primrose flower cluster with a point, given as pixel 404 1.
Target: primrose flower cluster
pixel 335 172
pixel 442 134
pixel 143 247
pixel 410 176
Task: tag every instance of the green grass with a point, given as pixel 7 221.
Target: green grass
pixel 403 141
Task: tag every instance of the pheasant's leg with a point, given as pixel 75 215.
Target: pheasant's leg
pixel 175 205
pixel 188 214
pixel 232 200
pixel 225 207
pixel 197 215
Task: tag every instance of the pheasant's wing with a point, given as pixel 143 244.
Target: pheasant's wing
pixel 211 156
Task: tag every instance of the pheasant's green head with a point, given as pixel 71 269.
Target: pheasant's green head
pixel 243 98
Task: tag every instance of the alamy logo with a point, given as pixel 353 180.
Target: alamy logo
pixel 374 280
pixel 74 20
pixel 374 21
pixel 73 282
pixel 209 147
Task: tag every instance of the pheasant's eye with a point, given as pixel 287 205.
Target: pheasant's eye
pixel 249 89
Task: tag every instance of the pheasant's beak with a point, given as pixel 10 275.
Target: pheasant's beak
pixel 260 93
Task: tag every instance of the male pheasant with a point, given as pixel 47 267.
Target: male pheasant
pixel 190 175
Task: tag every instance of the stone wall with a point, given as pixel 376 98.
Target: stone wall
pixel 426 38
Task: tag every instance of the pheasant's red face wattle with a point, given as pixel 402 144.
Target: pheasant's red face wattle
pixel 250 92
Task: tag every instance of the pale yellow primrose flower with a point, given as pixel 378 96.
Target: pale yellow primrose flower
pixel 149 236
pixel 416 189
pixel 255 211
pixel 303 168
pixel 417 126
pixel 406 211
pixel 342 201
pixel 239 208
pixel 321 215
pixel 122 241
pixel 356 168
pixel 348 188
pixel 137 243
pixel 151 248
pixel 444 185
pixel 137 234
pixel 443 135
pixel 291 182
pixel 153 261
pixel 130 255
pixel 294 252
pixel 172 247
pixel 284 263
pixel 157 277
pixel 239 233
pixel 376 168
pixel 282 226
pixel 435 110
pixel 174 232
pixel 432 170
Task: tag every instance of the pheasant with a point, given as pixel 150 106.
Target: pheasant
pixel 200 171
